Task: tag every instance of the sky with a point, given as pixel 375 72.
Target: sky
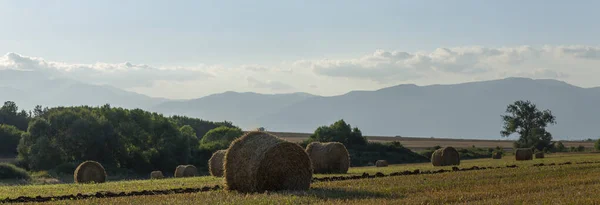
pixel 189 49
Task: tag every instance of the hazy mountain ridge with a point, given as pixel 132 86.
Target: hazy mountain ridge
pixel 465 110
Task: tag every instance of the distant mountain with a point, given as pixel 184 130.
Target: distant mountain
pixel 241 108
pixel 466 110
pixel 28 89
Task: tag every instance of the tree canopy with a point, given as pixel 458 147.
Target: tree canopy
pixel 526 120
pixel 341 132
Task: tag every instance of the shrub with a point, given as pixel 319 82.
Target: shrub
pixel 9 140
pixel 10 171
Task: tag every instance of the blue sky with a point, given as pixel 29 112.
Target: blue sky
pixel 212 35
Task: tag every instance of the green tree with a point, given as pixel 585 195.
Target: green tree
pixel 560 147
pixel 10 115
pixel 597 144
pixel 341 132
pixel 529 123
pixel 9 139
pixel 220 137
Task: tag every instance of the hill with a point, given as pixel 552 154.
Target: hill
pixel 466 110
pixel 29 89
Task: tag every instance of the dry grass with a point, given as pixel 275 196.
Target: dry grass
pixel 215 163
pixel 419 143
pixel 331 157
pixel 260 161
pixel 90 172
pixel 567 184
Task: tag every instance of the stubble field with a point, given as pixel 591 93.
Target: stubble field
pixel 556 182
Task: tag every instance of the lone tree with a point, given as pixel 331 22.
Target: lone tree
pixel 530 123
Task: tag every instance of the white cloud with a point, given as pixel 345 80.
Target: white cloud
pixel 124 75
pixel 576 64
pixel 272 85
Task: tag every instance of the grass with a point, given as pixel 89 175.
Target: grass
pixel 567 184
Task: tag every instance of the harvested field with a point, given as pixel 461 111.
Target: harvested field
pixel 527 183
pixel 417 144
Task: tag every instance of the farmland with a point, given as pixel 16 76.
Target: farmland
pixel 419 143
pixel 524 184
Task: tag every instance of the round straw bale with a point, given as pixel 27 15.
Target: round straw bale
pixel 328 158
pixel 523 154
pixel 90 172
pixel 186 171
pixel 496 155
pixel 381 163
pixel 539 155
pixel 260 161
pixel 445 156
pixel 215 163
pixel 156 175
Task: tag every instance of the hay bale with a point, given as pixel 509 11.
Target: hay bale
pixel 445 157
pixel 381 163
pixel 328 158
pixel 215 163
pixel 90 172
pixel 497 155
pixel 186 171
pixel 156 175
pixel 523 154
pixel 539 155
pixel 259 161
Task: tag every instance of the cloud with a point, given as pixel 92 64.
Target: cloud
pixel 124 75
pixel 579 51
pixel 272 85
pixel 539 73
pixel 385 66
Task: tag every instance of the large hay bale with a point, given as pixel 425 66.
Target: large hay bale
pixel 381 163
pixel 523 154
pixel 215 163
pixel 259 161
pixel 90 172
pixel 328 158
pixel 186 171
pixel 156 175
pixel 497 155
pixel 445 157
pixel 539 155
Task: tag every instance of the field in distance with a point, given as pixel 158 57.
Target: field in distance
pixel 417 143
pixel 526 184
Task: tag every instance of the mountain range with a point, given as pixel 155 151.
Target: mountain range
pixel 466 110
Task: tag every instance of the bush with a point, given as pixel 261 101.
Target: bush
pixel 341 132
pixel 222 136
pixel 560 147
pixel 9 140
pixel 9 171
pixel 597 145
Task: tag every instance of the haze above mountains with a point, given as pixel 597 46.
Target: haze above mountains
pixel 467 110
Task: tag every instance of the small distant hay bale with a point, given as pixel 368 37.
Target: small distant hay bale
pixel 539 155
pixel 328 158
pixel 497 155
pixel 445 157
pixel 156 175
pixel 186 171
pixel 523 154
pixel 260 161
pixel 89 172
pixel 215 163
pixel 381 163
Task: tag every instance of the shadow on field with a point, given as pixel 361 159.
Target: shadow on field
pixel 337 193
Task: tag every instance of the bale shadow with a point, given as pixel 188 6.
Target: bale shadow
pixel 337 193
